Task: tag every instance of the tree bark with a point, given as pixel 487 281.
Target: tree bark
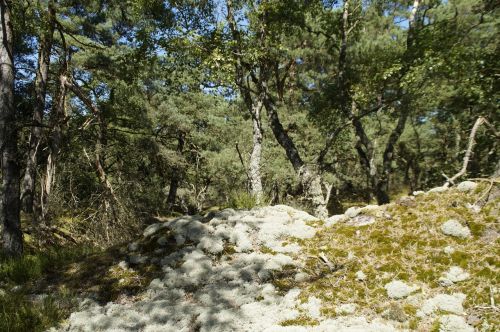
pixel 30 201
pixel 255 156
pixel 309 178
pixel 176 173
pixel 10 201
pixel 254 106
pixel 58 124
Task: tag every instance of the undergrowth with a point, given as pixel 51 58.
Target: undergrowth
pixel 22 306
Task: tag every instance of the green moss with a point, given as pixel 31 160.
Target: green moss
pixel 476 228
pixel 413 324
pixel 460 258
pixel 300 321
pixel 267 250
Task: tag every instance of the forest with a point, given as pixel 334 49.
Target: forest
pixel 116 114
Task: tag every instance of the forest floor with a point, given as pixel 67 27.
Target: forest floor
pixel 427 262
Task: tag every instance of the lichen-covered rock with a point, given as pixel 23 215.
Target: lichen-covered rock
pixel 397 289
pixel 449 303
pixel 453 275
pixel 454 323
pixel 335 219
pixel 138 259
pixel 312 307
pixel 466 186
pixel 438 189
pixel 449 250
pixel 454 228
pixel 360 276
pixel 134 246
pixel 346 309
pixel 152 229
pixel 352 212
pixel 361 220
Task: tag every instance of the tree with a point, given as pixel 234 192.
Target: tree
pixel 10 203
pixel 30 200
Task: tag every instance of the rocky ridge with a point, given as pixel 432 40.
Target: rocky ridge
pixel 280 269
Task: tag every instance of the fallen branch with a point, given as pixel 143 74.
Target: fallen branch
pixel 325 260
pixel 468 153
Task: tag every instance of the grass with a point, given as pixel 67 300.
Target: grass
pixel 406 244
pixel 20 309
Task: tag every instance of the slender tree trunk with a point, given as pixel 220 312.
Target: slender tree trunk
pixel 174 180
pixel 30 201
pixel 254 108
pixel 10 200
pixel 309 178
pixel 58 124
pixel 255 156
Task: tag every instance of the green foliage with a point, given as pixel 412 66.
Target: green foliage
pixel 242 200
pixel 18 313
pixel 31 267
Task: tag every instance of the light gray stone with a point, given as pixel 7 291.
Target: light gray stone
pixel 466 186
pixel 454 228
pixel 346 309
pixel 152 229
pixel 449 303
pixel 134 246
pixel 138 259
pixel 398 289
pixel 454 323
pixel 352 212
pixel 453 275
pixel 360 276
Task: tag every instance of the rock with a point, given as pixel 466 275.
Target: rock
pixel 473 320
pixel 152 229
pixel 449 303
pixel 397 289
pixel 301 277
pixel 454 228
pixel 352 212
pixel 180 239
pixel 137 259
pixel 335 219
pixel 361 220
pixel 162 241
pixel 346 309
pixel 466 186
pixel 418 193
pixel 396 313
pixel 313 307
pixel 455 274
pixel 123 265
pixel 16 288
pixel 360 276
pixel 473 207
pixel 449 250
pixel 134 246
pixel 454 323
pixel 438 189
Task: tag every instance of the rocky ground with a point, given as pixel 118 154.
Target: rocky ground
pixel 427 262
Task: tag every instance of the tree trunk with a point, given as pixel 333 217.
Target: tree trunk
pixel 309 178
pixel 174 180
pixel 254 108
pixel 30 201
pixel 58 122
pixel 10 200
pixel 254 164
